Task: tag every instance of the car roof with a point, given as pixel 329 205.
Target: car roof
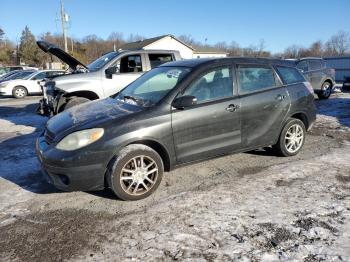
pixel 240 60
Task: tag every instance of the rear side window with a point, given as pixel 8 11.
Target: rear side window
pixel 158 59
pixel 315 64
pixel 255 78
pixel 290 75
pixel 303 65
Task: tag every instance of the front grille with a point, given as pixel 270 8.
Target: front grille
pixel 49 137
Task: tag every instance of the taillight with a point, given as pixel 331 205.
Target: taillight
pixel 309 87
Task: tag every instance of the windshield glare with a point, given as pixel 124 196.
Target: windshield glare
pixel 150 88
pixel 102 61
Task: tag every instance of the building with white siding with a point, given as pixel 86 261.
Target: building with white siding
pixel 170 42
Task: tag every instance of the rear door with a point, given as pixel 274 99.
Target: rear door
pixel 130 67
pixel 316 73
pixel 264 104
pixel 212 126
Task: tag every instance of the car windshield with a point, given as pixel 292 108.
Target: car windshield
pixel 150 88
pixel 102 61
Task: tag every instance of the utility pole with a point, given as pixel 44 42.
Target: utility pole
pixel 64 18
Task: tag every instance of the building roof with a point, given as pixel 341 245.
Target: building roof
pixel 143 43
pixel 208 50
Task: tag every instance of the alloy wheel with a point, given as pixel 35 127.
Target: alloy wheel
pixel 294 138
pixel 139 175
pixel 326 89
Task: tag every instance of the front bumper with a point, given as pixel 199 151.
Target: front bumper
pixel 70 171
pixel 4 91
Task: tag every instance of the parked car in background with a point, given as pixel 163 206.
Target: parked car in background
pixel 177 113
pixel 102 78
pixel 6 69
pixel 316 72
pixel 23 86
pixel 346 84
pixel 17 74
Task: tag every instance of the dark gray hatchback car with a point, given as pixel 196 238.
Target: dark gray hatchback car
pixel 177 113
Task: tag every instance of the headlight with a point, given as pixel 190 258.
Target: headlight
pixel 4 84
pixel 80 139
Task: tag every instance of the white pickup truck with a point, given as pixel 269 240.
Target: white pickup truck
pixel 102 78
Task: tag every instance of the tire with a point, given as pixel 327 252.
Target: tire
pixel 19 92
pixel 325 91
pixel 129 184
pixel 293 130
pixel 74 101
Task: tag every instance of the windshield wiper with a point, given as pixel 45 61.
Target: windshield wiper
pixel 131 98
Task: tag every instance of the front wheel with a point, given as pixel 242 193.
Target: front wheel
pixel 292 138
pixel 19 92
pixel 74 101
pixel 326 91
pixel 136 173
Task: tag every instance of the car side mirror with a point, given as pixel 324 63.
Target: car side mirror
pixel 184 101
pixel 110 71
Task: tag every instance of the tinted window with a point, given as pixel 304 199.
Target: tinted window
pixel 40 76
pixel 303 65
pixel 255 78
pixel 315 64
pixel 290 75
pixel 212 85
pixel 158 59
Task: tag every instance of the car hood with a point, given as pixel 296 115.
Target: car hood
pixel 88 115
pixel 59 53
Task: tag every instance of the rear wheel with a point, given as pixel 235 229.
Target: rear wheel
pixel 326 91
pixel 74 101
pixel 136 173
pixel 292 138
pixel 19 92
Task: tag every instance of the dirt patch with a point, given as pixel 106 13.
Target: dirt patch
pixel 343 179
pixel 51 236
pixel 308 223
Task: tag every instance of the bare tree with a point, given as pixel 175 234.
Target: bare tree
pixel 338 44
pixel 116 38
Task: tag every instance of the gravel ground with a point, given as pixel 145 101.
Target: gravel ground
pixel 251 206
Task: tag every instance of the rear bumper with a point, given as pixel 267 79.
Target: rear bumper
pixel 68 173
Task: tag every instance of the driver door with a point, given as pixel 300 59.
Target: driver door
pixel 129 68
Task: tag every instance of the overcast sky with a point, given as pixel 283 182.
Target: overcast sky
pixel 279 23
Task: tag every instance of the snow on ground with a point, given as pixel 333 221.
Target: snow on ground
pixel 252 206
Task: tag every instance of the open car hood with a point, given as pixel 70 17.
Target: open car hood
pixel 59 53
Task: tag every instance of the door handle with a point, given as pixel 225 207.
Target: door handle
pixel 232 108
pixel 280 97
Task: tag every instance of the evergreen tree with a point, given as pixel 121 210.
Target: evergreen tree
pixel 28 50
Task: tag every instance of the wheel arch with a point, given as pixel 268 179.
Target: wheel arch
pixel 303 118
pixel 15 86
pixel 155 145
pixel 87 94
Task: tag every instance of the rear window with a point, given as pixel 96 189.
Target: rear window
pixel 158 59
pixel 290 75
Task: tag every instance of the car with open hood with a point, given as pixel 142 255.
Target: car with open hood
pixel 100 79
pixel 177 113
